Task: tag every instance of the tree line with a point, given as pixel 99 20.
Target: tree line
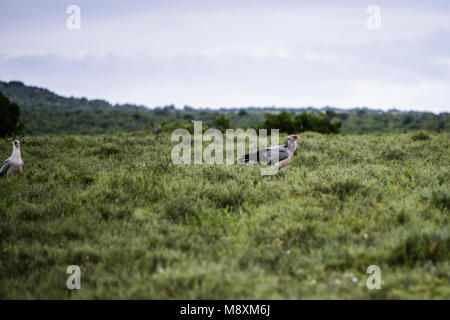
pixel 39 111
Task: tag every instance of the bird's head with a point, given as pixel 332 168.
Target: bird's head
pixel 293 138
pixel 17 143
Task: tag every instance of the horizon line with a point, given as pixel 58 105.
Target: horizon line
pixel 227 108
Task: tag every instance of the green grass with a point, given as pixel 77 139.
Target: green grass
pixel 141 227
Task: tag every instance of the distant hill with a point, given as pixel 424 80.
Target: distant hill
pixel 45 112
pixel 31 98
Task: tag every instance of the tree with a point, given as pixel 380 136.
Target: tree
pixel 282 121
pixel 10 117
pixel 330 114
pixel 302 122
pixel 243 113
pixel 317 122
pixel 222 123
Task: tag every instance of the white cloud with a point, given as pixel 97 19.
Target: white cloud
pixel 234 53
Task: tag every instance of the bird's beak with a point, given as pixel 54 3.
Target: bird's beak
pixel 296 138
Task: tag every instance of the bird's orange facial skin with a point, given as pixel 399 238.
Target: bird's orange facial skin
pixel 16 143
pixel 296 138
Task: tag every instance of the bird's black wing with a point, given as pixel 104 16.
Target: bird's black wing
pixel 255 156
pixel 5 167
pixel 283 153
pixel 268 155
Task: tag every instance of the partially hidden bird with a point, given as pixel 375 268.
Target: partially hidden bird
pixel 278 155
pixel 14 164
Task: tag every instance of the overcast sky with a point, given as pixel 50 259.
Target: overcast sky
pixel 233 53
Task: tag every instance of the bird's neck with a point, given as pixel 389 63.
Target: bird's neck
pixel 292 146
pixel 16 154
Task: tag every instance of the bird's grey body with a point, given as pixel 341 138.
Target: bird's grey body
pixel 278 155
pixel 14 164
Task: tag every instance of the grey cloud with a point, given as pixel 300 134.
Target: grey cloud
pixel 233 53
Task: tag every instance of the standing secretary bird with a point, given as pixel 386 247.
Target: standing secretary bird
pixel 278 155
pixel 14 164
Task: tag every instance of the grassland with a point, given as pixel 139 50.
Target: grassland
pixel 141 227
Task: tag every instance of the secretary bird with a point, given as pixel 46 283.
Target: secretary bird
pixel 14 164
pixel 278 155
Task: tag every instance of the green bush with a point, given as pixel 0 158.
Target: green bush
pixel 282 121
pixel 222 123
pixel 285 122
pixel 10 125
pixel 420 136
pixel 321 123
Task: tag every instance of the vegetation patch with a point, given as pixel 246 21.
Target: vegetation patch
pixel 141 227
pixel 420 136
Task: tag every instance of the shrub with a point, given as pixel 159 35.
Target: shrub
pixel 420 136
pixel 10 117
pixel 342 189
pixel 282 121
pixel 439 198
pixel 420 247
pixel 393 154
pixel 222 123
pixel 321 123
